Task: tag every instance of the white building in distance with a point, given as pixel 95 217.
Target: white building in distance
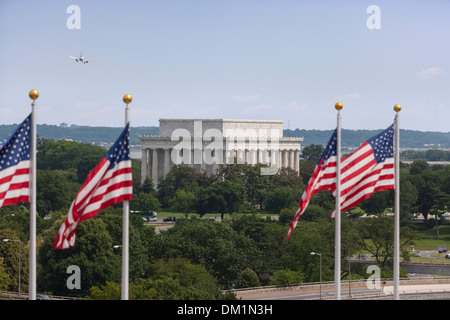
pixel 207 143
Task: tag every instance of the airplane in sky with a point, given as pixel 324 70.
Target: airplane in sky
pixel 81 59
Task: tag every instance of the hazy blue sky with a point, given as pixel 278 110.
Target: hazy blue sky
pixel 235 59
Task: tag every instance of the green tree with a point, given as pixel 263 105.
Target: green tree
pixel 375 235
pixel 306 171
pixel 141 240
pixel 9 251
pixel 180 177
pixel 183 201
pixel 86 164
pixel 287 177
pixel 5 278
pixel 418 167
pixel 144 203
pixel 201 202
pixel 442 201
pixel 56 190
pixel 256 185
pixel 225 197
pixel 147 186
pixel 296 255
pixel 63 155
pixel 408 200
pixel 314 212
pixel 157 287
pixel 247 278
pixel 269 237
pixel 216 246
pixel 280 198
pixel 287 277
pixel 378 202
pixel 172 279
pixel 286 215
pixel 195 277
pixel 92 253
pixel 17 217
pixel 108 291
pixel 312 152
pixel 428 186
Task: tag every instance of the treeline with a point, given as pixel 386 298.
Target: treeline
pixel 428 155
pixel 84 134
pixel 350 138
pixel 198 258
pixel 354 138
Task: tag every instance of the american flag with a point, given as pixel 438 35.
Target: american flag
pixel 15 165
pixel 367 170
pixel 323 178
pixel 108 183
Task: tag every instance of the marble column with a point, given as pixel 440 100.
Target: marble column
pixel 144 166
pixel 155 167
pixel 166 161
pixel 253 156
pixel 285 158
pixel 291 159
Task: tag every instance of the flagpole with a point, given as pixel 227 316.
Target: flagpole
pixel 337 245
pixel 125 224
pixel 397 109
pixel 34 94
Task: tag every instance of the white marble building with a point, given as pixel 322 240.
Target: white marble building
pixel 207 143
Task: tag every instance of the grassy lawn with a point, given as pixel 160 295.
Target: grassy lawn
pixel 428 240
pixel 164 214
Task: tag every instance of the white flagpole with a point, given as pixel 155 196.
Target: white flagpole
pixel 125 223
pixel 34 94
pixel 397 109
pixel 337 245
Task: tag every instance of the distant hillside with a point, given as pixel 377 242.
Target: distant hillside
pixel 354 138
pixel 350 138
pixel 83 134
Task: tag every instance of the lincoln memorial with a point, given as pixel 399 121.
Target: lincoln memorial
pixel 207 143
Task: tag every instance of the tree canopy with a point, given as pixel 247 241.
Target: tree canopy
pixel 198 258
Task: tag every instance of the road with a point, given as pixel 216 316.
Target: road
pixel 314 294
pixel 160 225
pixel 358 291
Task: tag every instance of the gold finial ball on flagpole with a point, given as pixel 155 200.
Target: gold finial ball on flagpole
pixel 339 106
pixel 34 94
pixel 127 98
pixel 397 108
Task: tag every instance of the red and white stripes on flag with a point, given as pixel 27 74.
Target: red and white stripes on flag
pixel 108 183
pixel 15 165
pixel 323 178
pixel 367 170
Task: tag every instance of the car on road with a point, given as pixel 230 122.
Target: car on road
pixel 447 256
pixel 442 250
pixel 170 219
